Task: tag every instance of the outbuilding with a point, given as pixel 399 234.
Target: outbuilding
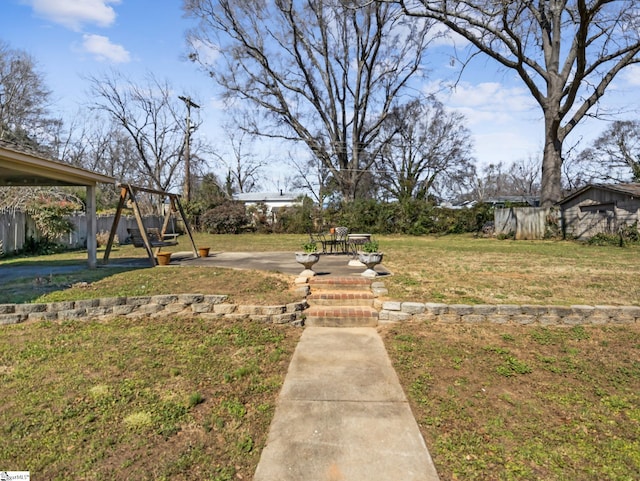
pixel 600 208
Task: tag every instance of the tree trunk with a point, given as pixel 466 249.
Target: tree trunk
pixel 551 182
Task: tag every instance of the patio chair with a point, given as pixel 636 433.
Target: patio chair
pixel 338 241
pixel 318 238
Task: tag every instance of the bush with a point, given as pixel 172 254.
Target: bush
pixel 41 247
pixel 102 238
pixel 50 218
pixel 627 234
pixel 227 218
pixel 363 215
pixel 413 217
pixel 261 219
pixel 296 219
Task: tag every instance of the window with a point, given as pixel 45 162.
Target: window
pixel 598 208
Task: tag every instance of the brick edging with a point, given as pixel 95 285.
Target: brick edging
pixel 179 305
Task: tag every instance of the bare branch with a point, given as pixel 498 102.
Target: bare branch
pixel 324 73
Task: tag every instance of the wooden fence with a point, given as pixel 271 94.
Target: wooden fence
pixel 17 226
pixel 522 222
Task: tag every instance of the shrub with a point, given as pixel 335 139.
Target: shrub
pixel 296 219
pixel 413 217
pixel 261 219
pixel 604 239
pixel 227 218
pixel 627 234
pixel 40 247
pixel 102 238
pixel 50 218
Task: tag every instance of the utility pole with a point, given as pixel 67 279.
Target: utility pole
pixel 1 115
pixel 187 147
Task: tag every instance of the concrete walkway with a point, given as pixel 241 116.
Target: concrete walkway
pixel 342 415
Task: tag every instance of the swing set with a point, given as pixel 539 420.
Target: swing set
pixel 149 238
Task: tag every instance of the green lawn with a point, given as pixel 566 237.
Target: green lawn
pixel 450 269
pixel 506 402
pixel 139 399
pixel 189 399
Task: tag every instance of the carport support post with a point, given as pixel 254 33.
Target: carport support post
pixel 92 227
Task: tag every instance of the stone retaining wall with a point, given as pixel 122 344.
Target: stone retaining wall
pixel 215 306
pixel 393 311
pixel 179 305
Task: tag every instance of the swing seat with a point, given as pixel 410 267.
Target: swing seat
pixel 154 236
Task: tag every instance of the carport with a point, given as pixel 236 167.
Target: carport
pixel 20 168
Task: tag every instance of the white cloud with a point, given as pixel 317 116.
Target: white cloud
pixel 207 53
pixel 508 146
pixel 505 121
pixel 632 75
pixel 492 101
pixel 74 13
pixel 102 48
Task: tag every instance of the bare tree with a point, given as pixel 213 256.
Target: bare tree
pixel 524 175
pixel 243 165
pixel 520 178
pixel 615 154
pixel 491 181
pixel 151 117
pixel 429 149
pixel 312 175
pixel 567 52
pixel 323 72
pixel 24 101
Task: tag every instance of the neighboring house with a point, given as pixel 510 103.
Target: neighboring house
pixel 498 202
pixel 600 208
pixel 514 200
pixel 272 201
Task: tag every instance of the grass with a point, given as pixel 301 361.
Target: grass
pixel 190 399
pixel 242 286
pixel 468 270
pixel 141 399
pixel 524 403
pixel 449 269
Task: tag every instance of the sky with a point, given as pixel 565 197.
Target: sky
pixel 70 39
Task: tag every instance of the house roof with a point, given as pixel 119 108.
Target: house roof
pixel 532 200
pixel 20 167
pixel 267 197
pixel 630 189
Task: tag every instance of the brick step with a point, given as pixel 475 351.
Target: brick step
pixel 350 283
pixel 341 298
pixel 341 316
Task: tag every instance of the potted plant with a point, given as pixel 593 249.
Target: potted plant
pixel 164 258
pixel 370 256
pixel 308 258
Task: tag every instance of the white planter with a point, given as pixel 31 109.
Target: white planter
pixel 370 259
pixel 307 259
